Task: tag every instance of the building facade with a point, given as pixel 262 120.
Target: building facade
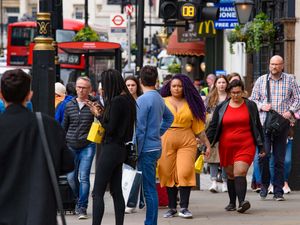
pixel 99 16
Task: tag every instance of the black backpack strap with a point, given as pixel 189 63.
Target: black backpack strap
pixel 50 167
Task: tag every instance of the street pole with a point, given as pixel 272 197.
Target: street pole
pixel 150 28
pixel 1 44
pixel 129 40
pixel 86 23
pixel 43 68
pixel 57 23
pixel 86 13
pixel 140 37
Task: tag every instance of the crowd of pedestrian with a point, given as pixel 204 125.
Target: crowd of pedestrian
pixel 167 125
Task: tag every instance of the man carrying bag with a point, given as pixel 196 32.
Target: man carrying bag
pixel 276 107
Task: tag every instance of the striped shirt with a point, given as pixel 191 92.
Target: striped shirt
pixel 285 94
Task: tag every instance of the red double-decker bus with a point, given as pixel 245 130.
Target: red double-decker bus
pixel 72 62
pixel 20 36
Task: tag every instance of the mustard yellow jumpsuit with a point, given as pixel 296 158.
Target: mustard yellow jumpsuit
pixel 179 147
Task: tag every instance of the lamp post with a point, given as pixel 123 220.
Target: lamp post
pixel 243 10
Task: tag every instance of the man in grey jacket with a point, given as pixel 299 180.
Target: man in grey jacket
pixel 78 119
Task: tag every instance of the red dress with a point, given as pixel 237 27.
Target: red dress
pixel 236 141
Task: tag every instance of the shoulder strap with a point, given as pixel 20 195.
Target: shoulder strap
pixel 268 89
pixel 50 167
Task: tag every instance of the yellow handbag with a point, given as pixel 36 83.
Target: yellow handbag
pixel 96 132
pixel 199 164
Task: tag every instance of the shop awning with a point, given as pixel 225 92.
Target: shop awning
pixel 87 47
pixel 185 48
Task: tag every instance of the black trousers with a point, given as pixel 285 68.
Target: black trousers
pixel 184 196
pixel 278 146
pixel 109 170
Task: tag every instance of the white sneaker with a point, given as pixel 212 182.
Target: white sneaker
pixel 214 187
pixel 286 190
pixel 185 213
pixel 129 210
pixel 271 189
pixel 224 187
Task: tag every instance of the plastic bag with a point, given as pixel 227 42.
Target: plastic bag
pixel 199 164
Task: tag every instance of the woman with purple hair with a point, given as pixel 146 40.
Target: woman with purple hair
pixel 179 145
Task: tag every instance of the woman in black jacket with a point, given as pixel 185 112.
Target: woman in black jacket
pixel 237 128
pixel 118 121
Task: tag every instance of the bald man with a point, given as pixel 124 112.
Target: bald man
pixel 284 99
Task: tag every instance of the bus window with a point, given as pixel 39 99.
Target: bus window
pixel 64 35
pixel 22 36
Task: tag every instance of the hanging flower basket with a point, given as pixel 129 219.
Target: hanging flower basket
pixel 255 34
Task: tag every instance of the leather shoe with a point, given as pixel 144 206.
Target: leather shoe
pixel 244 206
pixel 230 207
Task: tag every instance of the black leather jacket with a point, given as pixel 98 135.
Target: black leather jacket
pixel 214 130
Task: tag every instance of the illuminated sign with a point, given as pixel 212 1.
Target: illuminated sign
pixel 206 29
pixel 228 18
pixel 188 11
pixel 65 58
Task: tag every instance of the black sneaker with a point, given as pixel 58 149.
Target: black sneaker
pixel 170 213
pixel 230 207
pixel 82 214
pixel 279 198
pixel 185 213
pixel 243 207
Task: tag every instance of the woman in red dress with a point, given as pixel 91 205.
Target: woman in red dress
pixel 236 125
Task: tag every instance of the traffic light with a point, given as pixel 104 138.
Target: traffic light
pixel 168 9
pixel 208 11
pixel 188 10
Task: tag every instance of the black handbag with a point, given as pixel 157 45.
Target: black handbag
pixel 132 151
pixel 274 121
pixel 132 154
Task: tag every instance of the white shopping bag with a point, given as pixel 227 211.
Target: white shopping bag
pixel 131 182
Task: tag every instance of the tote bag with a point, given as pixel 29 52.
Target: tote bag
pixel 131 184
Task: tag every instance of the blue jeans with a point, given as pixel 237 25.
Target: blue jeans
pixel 256 171
pixel 79 179
pixel 147 164
pixel 278 146
pixel 214 169
pixel 287 162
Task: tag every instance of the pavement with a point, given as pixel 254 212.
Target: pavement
pixel 208 209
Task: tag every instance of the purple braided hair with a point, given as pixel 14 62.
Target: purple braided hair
pixel 190 93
